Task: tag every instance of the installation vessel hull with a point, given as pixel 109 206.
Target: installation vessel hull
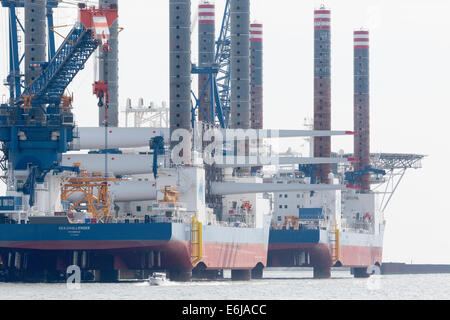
pixel 126 243
pixel 353 249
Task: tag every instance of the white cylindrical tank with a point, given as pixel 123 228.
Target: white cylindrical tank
pixel 118 164
pixel 227 188
pixel 124 191
pixel 133 191
pixel 94 138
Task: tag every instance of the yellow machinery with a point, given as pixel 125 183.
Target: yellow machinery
pixel 66 102
pixel 291 221
pixel 171 195
pixel 26 102
pixel 95 191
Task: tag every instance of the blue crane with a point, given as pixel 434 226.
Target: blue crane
pixel 157 145
pixel 60 71
pixel 222 60
pixel 216 105
pixel 36 128
pixel 66 62
pixel 353 176
pixel 219 76
pixel 14 79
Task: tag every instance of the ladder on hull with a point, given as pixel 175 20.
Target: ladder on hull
pixel 196 240
pixel 334 244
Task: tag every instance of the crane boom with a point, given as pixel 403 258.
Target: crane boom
pixel 70 58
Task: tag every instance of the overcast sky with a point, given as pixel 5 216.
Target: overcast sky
pixel 410 68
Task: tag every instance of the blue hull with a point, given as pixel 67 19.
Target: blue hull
pixel 354 249
pixel 85 232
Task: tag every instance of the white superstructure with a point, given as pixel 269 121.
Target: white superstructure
pixel 329 209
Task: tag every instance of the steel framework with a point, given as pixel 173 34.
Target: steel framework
pixel 219 76
pixel 391 161
pixel 153 116
pixel 67 62
pixel 95 192
pixel 395 165
pixel 222 59
pixel 14 79
pixel 37 126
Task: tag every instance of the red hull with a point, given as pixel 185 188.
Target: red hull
pixel 233 255
pixel 281 254
pixel 175 254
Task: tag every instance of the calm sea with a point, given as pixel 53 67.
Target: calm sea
pixel 278 284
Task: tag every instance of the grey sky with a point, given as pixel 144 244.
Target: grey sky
pixel 410 64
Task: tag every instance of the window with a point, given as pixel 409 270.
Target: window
pixel 138 208
pixel 279 218
pixel 281 196
pixel 285 206
pixel 298 195
pixel 281 206
pixel 285 195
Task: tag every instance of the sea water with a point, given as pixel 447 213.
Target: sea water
pixel 278 284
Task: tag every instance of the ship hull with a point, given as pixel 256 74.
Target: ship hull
pixel 135 246
pixel 355 249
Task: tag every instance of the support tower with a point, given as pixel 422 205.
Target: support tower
pixel 240 64
pixel 322 89
pixel 180 64
pixel 206 46
pixel 256 80
pixel 35 38
pixel 362 105
pixel 256 73
pixel 109 71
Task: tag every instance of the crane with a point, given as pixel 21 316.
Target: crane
pixel 70 58
pixel 15 60
pixel 219 76
pixel 353 176
pixel 36 128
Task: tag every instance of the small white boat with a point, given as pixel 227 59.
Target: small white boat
pixel 157 279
